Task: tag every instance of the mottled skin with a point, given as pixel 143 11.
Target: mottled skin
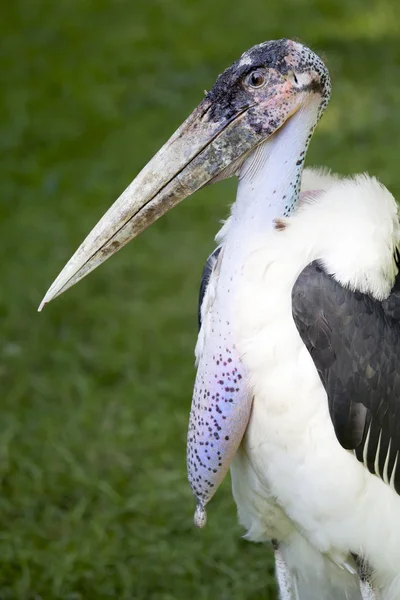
pixel 220 412
pixel 278 59
pixel 221 401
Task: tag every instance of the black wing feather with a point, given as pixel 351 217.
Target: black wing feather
pixel 205 278
pixel 354 341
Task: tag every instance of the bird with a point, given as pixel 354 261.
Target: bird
pixel 297 390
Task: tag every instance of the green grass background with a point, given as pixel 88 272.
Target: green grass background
pixel 95 391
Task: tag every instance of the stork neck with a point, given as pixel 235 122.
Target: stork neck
pixel 270 178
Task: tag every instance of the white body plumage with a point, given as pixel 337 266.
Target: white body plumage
pixel 292 480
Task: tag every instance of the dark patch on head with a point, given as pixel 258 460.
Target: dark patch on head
pixel 231 96
pixel 270 54
pixel 228 96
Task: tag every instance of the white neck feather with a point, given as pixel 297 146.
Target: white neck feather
pixel 269 183
pixel 269 180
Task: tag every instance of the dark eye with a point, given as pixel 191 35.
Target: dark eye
pixel 256 79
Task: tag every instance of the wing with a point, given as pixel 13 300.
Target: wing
pixel 205 279
pixel 354 342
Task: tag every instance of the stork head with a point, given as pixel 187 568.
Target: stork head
pixel 249 102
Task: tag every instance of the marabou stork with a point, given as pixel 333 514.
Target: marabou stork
pixel 298 385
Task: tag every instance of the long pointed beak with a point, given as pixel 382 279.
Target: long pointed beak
pixel 203 146
pixel 230 122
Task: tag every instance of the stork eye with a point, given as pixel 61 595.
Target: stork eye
pixel 256 79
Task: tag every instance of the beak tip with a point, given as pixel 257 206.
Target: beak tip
pixel 43 303
pixel 48 297
pixel 59 285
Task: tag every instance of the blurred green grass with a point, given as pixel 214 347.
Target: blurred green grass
pixel 96 391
